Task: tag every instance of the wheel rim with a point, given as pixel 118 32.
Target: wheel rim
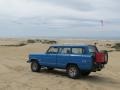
pixel 34 66
pixel 72 72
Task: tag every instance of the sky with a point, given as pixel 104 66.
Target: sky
pixel 60 18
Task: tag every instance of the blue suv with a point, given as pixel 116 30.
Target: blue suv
pixel 76 59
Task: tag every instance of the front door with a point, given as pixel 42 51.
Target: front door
pixel 50 57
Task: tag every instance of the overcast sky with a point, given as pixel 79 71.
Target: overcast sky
pixel 61 18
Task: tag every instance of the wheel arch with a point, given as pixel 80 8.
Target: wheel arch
pixel 31 60
pixel 72 64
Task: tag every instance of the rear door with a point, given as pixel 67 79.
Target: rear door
pixel 63 57
pixel 81 58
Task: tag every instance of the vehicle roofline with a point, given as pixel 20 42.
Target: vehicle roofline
pixel 71 45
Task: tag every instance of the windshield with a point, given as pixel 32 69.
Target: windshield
pixel 52 50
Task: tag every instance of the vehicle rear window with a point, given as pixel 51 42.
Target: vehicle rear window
pixel 77 50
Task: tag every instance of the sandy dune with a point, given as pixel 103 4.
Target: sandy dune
pixel 15 73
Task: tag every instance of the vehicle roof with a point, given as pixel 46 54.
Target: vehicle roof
pixel 69 45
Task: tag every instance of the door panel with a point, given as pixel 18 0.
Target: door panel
pixel 49 60
pixel 63 57
pixel 62 60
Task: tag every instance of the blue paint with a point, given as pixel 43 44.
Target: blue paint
pixel 60 60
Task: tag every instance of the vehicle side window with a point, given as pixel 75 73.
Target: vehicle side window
pixel 77 51
pixel 52 50
pixel 65 50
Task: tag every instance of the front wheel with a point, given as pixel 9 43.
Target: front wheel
pixel 73 71
pixel 35 67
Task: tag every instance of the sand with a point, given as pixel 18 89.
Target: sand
pixel 15 73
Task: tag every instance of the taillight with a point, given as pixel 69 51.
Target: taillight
pixel 99 57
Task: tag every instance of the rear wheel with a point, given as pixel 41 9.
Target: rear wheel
pixel 35 67
pixel 73 71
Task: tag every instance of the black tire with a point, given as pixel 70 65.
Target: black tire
pixel 35 67
pixel 85 73
pixel 49 68
pixel 73 71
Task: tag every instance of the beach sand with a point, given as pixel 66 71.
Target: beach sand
pixel 15 73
